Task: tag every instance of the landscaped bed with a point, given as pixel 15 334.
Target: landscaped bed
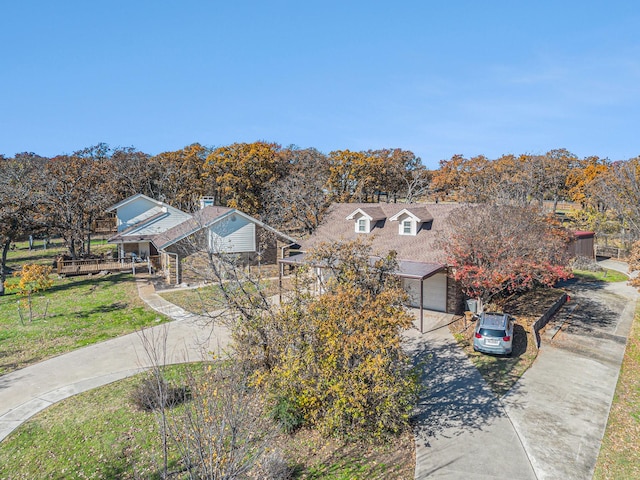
pixel 101 434
pixel 502 372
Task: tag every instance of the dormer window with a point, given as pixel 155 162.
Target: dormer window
pixel 410 221
pixel 367 218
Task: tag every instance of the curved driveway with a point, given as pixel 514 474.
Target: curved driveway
pixel 25 392
pixel 551 423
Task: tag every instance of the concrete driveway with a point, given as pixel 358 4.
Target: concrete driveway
pixel 560 406
pixel 462 430
pixel 551 423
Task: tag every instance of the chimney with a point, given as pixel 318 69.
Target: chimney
pixel 207 202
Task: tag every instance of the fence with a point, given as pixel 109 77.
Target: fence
pixel 544 319
pixel 611 252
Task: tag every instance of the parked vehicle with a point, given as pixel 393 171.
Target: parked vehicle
pixel 494 333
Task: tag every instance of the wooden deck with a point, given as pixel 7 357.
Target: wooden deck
pixel 85 267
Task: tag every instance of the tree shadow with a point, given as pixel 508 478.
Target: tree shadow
pixel 88 313
pixel 593 312
pixel 76 282
pixel 455 398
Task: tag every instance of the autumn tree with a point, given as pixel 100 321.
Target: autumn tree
pixel 496 250
pixel 346 175
pixel 558 165
pixel 619 188
pixel 297 201
pixel 33 278
pixel 20 196
pixel 397 173
pixel 332 361
pixel 74 196
pixel 132 171
pixel 179 177
pixel 583 181
pixel 241 172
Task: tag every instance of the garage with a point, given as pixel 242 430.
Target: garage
pixel 434 291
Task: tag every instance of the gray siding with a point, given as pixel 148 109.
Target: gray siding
pixel 234 234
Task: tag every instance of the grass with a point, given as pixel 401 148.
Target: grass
pixel 97 434
pixel 620 450
pixel 79 311
pixel 196 300
pixel 100 434
pixel 602 276
pixel 206 299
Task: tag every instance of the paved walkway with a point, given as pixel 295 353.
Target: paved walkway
pixel 25 392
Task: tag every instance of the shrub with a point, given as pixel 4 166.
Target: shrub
pixel 152 394
pixel 286 414
pixel 274 466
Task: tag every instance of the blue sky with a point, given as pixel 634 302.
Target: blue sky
pixel 438 78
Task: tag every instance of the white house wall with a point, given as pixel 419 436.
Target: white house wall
pixel 434 292
pixel 234 234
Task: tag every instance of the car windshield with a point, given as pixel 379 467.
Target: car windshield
pixel 490 332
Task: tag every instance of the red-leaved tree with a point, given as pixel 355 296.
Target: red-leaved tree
pixel 496 250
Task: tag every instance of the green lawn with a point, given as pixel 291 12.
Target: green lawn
pixel 605 276
pixel 97 434
pixel 101 434
pixel 79 311
pixel 620 451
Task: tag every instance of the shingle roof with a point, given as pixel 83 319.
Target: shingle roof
pixel 126 235
pixel 200 219
pixel 419 248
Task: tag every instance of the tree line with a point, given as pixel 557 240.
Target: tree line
pixel 290 188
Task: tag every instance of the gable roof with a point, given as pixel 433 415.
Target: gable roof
pixel 373 213
pixel 422 247
pixel 419 213
pixel 204 218
pixel 133 198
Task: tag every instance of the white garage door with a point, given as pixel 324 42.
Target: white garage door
pixel 434 290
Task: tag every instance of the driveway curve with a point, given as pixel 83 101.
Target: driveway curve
pixel 27 391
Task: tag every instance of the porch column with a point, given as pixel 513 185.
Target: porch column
pixel 422 305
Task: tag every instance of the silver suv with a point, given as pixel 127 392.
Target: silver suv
pixel 494 333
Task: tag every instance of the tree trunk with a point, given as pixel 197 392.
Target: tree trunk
pixel 3 264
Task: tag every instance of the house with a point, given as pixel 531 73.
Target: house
pixel 176 240
pixel 413 231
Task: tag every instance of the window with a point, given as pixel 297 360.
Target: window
pixel 362 225
pixel 406 227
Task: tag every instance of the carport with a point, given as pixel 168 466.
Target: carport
pixel 409 270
